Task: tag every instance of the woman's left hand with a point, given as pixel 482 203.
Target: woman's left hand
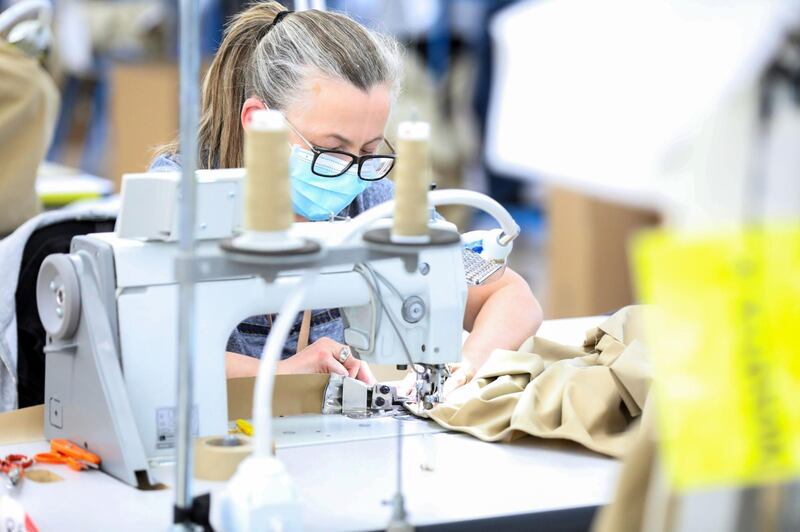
pixel 462 374
pixel 325 356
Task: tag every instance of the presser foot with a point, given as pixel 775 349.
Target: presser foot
pixel 429 385
pixel 353 398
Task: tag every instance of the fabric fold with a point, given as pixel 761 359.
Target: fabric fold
pixel 590 394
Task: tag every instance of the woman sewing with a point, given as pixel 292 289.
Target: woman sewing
pixel 334 81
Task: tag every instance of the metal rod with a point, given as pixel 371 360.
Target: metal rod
pixel 399 520
pixel 189 58
pixel 399 457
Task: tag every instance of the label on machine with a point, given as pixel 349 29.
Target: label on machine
pixel 166 426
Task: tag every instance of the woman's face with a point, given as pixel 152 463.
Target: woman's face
pixel 336 115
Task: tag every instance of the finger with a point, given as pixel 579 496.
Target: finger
pixel 456 380
pixel 351 363
pixel 408 385
pixel 364 373
pixel 331 365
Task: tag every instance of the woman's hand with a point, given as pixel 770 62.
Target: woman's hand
pixel 461 374
pixel 323 356
pixel 499 315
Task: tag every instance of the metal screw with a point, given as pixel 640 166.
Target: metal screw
pixel 231 194
pixel 424 268
pixel 380 401
pixel 59 312
pixel 384 389
pixel 203 225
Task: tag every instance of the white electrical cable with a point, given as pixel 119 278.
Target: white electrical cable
pixel 26 9
pixel 376 289
pixel 265 381
pixel 436 199
pixel 374 328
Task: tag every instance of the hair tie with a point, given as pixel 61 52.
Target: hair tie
pixel 280 16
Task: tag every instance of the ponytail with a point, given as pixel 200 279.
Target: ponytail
pixel 225 87
pixel 272 63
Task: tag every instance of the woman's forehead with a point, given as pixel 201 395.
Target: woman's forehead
pixel 339 107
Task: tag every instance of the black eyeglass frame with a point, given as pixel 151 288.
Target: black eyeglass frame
pixel 354 159
pixel 360 159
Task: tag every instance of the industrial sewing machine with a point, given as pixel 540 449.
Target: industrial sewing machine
pixel 110 311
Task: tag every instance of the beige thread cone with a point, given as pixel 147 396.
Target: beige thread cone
pixel 412 181
pixel 267 204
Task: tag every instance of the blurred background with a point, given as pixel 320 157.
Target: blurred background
pixel 114 63
pixel 591 121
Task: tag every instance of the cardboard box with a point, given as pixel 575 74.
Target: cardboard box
pixel 144 114
pixel 587 253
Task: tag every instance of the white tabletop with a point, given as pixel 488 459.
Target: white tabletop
pixel 343 484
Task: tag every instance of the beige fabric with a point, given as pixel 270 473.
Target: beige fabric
pixel 644 501
pixel 626 513
pixel 589 394
pixel 28 108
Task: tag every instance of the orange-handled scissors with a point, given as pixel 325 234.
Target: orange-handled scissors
pixel 67 453
pixel 72 450
pixel 58 458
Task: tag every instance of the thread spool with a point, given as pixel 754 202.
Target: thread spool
pixel 217 457
pixel 268 213
pixel 412 182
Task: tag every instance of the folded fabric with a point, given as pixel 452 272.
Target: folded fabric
pixel 590 394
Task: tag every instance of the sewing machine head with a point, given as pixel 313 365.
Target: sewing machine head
pixel 399 309
pixel 115 362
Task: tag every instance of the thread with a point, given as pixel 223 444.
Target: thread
pixel 268 204
pixel 217 457
pixel 412 182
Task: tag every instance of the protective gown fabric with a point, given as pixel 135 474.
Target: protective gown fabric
pixel 590 394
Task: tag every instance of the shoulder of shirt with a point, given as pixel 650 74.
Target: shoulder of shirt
pixel 377 193
pixel 164 163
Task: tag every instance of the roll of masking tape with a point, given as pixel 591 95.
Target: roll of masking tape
pixel 267 203
pixel 412 183
pixel 217 457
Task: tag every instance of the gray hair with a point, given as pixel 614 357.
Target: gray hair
pixel 320 43
pixel 274 64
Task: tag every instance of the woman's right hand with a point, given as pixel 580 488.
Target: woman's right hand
pixel 323 357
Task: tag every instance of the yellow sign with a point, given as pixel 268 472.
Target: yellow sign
pixel 725 342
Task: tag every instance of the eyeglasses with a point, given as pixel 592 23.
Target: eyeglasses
pixel 333 163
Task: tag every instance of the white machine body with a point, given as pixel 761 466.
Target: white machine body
pixel 140 303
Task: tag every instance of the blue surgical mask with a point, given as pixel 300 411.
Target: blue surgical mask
pixel 318 198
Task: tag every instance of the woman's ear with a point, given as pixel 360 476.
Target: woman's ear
pixel 250 105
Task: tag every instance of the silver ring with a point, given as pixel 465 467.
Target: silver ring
pixel 344 354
